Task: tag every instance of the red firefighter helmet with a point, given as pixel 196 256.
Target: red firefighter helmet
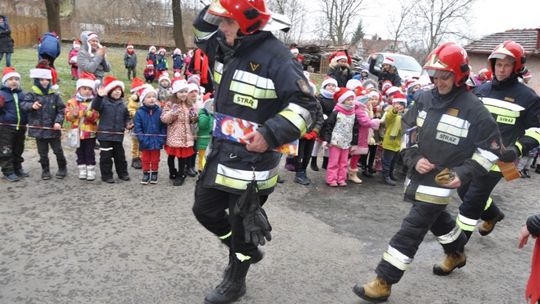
pixel 511 49
pixel 251 15
pixel 449 57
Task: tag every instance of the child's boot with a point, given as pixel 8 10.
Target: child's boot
pixel 90 173
pixel 153 177
pixel 83 172
pixel 146 178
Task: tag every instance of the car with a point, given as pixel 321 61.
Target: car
pixel 406 65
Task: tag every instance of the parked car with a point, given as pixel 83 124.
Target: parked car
pixel 406 65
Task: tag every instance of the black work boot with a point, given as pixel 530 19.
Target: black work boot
pixel 233 286
pixel 313 164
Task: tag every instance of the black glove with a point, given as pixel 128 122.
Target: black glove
pixel 255 221
pixel 257 227
pixel 509 155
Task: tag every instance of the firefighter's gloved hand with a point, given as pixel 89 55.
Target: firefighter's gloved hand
pixel 509 155
pixel 445 177
pixel 256 227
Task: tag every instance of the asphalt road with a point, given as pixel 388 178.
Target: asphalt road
pixel 71 241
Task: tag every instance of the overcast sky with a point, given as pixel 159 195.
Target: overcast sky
pixel 488 16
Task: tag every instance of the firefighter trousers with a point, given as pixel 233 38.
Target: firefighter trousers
pixel 476 201
pixel 422 217
pixel 210 209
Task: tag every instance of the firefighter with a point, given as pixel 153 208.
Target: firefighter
pixel 516 108
pixel 456 139
pixel 256 79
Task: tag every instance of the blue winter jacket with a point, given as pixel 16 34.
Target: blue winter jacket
pixel 50 45
pixel 147 125
pixel 178 61
pixel 11 112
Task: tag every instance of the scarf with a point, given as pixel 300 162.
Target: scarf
pixel 327 94
pixel 532 294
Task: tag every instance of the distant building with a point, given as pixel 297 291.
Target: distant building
pixel 479 50
pixel 366 47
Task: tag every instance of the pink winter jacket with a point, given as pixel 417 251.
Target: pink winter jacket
pixel 364 124
pixel 179 134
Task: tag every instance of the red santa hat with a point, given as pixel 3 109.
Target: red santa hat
pixel 164 76
pixel 386 85
pixel 388 60
pixel 76 44
pixel 373 94
pixel 194 79
pixel 342 94
pixel 179 84
pixel 144 91
pixel 338 56
pixel 295 51
pixel 87 79
pixel 353 84
pixel 110 82
pixel 136 84
pixel 40 73
pixel 150 63
pixel 399 98
pixel 328 80
pixel 392 90
pixel 193 87
pixel 9 72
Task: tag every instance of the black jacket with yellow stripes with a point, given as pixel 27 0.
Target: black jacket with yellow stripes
pixel 453 131
pixel 258 80
pixel 513 129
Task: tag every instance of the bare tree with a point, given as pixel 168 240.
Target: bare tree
pixel 338 16
pixel 440 19
pixel 53 16
pixel 401 23
pixel 178 33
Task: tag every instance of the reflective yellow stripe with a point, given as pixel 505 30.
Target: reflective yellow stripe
pixel 302 112
pixel 217 77
pixel 242 257
pixel 427 198
pixel 450 237
pixel 495 168
pixel 488 203
pixel 500 111
pixel 485 158
pixel 520 147
pixel 466 223
pixel 242 184
pixel 200 35
pixel 396 258
pixel 251 90
pixel 295 119
pixel 246 175
pixel 534 133
pixel 225 236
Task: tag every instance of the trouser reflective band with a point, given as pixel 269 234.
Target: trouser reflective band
pixel 242 257
pixel 434 195
pixel 465 223
pixel 225 236
pixel 450 236
pixel 519 146
pixel 396 258
pixel 488 203
pixel 239 179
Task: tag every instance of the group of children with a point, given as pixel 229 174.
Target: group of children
pixel 175 118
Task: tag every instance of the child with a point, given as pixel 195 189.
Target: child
pixel 326 97
pixel 12 136
pixel 164 89
pixel 80 115
pixel 338 134
pixel 46 113
pixel 204 132
pixel 149 72
pixel 130 61
pixel 152 55
pixel 178 61
pixel 367 160
pixel 151 134
pixel 194 99
pixel 180 141
pixel 72 59
pixel 392 137
pixel 113 120
pixel 161 64
pixel 133 105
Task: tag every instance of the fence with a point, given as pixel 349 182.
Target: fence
pixel 25 35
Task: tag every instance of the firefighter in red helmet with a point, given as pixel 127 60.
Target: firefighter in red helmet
pixel 454 139
pixel 256 79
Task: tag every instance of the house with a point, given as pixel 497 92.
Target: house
pixel 479 50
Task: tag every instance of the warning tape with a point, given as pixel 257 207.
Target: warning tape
pixel 63 129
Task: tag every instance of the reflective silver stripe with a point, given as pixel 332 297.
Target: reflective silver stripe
pixel 105 149
pixel 502 104
pixel 254 79
pixel 454 126
pixel 450 236
pixel 435 191
pixel 420 118
pixel 396 258
pixel 200 35
pixel 218 67
pixel 245 174
pixel 485 158
pixel 225 236
pixel 465 223
pixel 302 111
pixel 242 257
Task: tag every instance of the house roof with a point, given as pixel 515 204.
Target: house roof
pixel 528 38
